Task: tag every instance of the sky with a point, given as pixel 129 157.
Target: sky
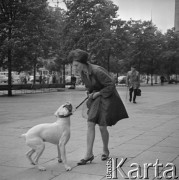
pixel 161 11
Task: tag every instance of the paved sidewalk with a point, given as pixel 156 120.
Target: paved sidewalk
pixel 151 133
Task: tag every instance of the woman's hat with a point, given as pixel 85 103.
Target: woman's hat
pixel 78 55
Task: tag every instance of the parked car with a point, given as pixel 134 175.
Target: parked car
pixel 16 79
pixel 68 80
pixel 3 79
pixel 31 78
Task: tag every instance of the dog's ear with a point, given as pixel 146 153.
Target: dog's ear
pixel 57 111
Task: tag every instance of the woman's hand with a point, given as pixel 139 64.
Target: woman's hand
pixel 95 95
pixel 87 93
pixel 90 96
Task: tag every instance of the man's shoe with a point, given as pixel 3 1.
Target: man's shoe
pixel 134 102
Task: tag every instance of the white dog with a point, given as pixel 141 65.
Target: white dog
pixel 57 133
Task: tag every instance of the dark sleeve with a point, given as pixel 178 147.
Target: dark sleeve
pixel 106 81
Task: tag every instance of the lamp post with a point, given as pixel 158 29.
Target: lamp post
pixel 108 48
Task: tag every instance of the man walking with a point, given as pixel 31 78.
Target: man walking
pixel 133 82
pixel 73 82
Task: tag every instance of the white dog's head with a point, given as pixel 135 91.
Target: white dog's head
pixel 64 110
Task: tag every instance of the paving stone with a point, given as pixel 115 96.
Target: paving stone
pixel 7 172
pixel 169 142
pixel 150 142
pixel 164 149
pixel 150 133
pixel 151 157
pixel 34 174
pixel 137 147
pixel 77 176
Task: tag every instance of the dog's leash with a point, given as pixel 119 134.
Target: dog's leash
pixel 81 103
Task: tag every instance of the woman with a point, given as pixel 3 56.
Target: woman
pixel 105 107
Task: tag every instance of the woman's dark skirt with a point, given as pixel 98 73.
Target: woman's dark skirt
pixel 106 111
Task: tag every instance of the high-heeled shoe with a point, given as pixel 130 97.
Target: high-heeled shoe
pixel 104 157
pixel 84 161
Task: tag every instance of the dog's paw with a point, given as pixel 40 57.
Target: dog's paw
pixel 68 168
pixel 41 168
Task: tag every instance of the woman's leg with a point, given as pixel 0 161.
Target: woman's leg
pixel 90 139
pixel 105 139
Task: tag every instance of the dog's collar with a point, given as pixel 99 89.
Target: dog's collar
pixel 62 116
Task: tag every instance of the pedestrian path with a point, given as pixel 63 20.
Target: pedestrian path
pixel 151 132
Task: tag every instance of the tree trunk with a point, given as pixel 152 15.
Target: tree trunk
pixel 168 78
pixel 139 66
pixel 151 79
pixel 9 63
pixel 109 52
pixel 155 76
pixel 71 69
pixel 152 70
pixel 64 73
pixel 34 80
pixel 140 60
pixel 147 78
pixel 9 72
pixel 176 78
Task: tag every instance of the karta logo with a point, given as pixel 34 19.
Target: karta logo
pixel 139 172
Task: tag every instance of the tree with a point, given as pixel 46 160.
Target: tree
pixel 25 31
pixel 60 47
pixel 144 46
pixel 10 22
pixel 89 24
pixel 36 32
pixel 170 55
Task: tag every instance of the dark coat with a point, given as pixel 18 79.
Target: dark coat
pixel 133 79
pixel 108 108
